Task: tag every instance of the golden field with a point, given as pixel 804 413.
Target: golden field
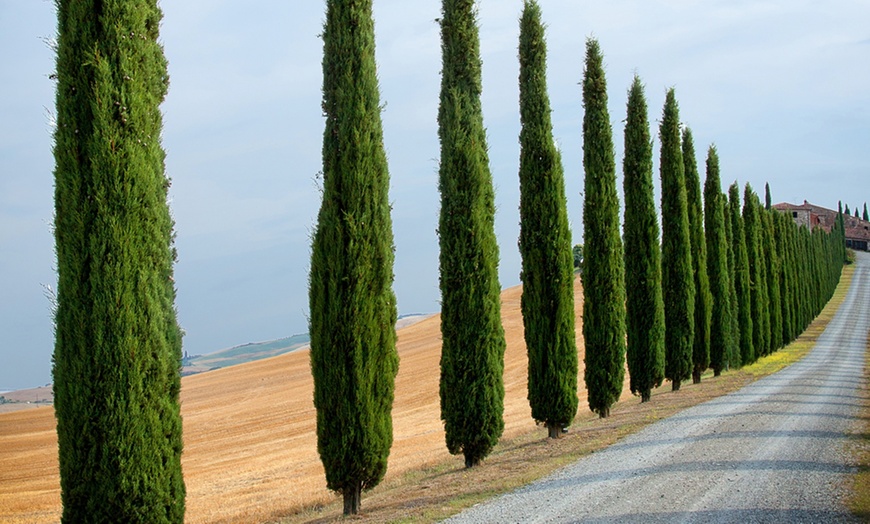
pixel 249 431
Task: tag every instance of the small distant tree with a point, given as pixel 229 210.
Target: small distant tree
pixel 645 314
pixel 866 216
pixel 353 309
pixel 856 213
pixel 703 300
pixel 717 266
pixel 577 251
pixel 473 343
pixel 603 279
pixel 846 211
pixel 545 242
pixel 767 201
pixel 678 287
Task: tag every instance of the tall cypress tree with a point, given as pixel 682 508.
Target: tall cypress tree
pixel 353 309
pixel 703 300
pixel 733 351
pixel 757 272
pixel 473 343
pixel 117 342
pixel 545 242
pixel 772 260
pixel 767 201
pixel 717 266
pixel 644 307
pixel 603 278
pixel 741 278
pixel 866 216
pixel 781 227
pixel 678 287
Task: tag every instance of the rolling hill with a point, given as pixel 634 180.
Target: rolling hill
pixel 249 430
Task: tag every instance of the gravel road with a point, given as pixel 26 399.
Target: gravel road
pixel 770 452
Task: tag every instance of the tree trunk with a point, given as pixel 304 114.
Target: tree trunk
pixel 675 385
pixel 470 461
pixel 717 372
pixel 645 396
pixel 696 376
pixel 351 499
pixel 604 413
pixel 554 430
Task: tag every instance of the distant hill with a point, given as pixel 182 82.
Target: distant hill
pixel 241 354
pixel 192 364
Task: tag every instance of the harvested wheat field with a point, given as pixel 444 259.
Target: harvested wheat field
pixel 249 431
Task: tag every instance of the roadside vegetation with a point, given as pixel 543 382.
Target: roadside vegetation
pixel 118 343
pixel 445 488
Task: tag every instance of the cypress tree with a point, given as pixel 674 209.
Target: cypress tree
pixel 703 300
pixel 847 210
pixel 717 266
pixel 782 223
pixel 841 226
pixel 733 351
pixel 866 216
pixel 678 287
pixel 545 242
pixel 473 343
pixel 767 201
pixel 757 272
pixel 741 278
pixel 773 281
pixel 353 309
pixel 117 353
pixel 644 307
pixel 603 278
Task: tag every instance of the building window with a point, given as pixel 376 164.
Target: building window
pixel 794 214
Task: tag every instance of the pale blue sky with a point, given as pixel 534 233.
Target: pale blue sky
pixel 781 86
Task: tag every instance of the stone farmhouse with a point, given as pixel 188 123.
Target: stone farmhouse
pixel 811 215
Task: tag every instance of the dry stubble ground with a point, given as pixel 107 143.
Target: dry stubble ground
pixel 250 449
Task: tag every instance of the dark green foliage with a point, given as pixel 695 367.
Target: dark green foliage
pixel 603 279
pixel 782 225
pixel 472 353
pixel 856 213
pixel 353 309
pixel 841 229
pixel 757 271
pixel 741 279
pixel 772 259
pixel 703 300
pixel 847 210
pixel 866 217
pixel 117 354
pixel 767 202
pixel 645 315
pixel 545 242
pixel 678 287
pixel 717 266
pixel 733 348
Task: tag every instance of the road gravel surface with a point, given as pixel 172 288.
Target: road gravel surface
pixel 773 451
